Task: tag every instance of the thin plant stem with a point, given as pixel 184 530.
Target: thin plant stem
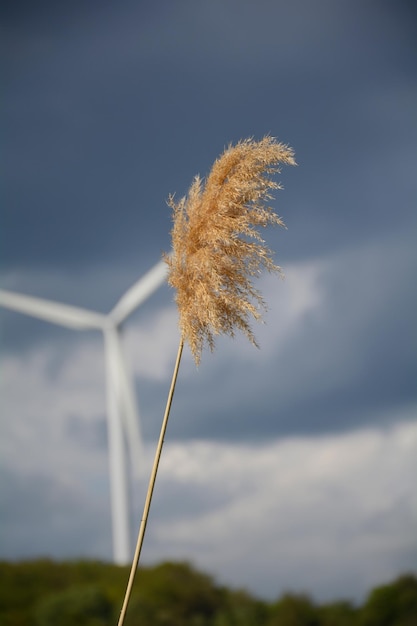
pixel 151 486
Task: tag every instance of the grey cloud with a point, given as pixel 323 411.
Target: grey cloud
pixel 329 516
pixel 351 362
pixel 185 500
pixel 90 433
pixel 270 517
pixel 44 515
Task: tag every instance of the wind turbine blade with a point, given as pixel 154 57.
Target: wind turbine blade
pixel 55 312
pixel 126 400
pixel 141 290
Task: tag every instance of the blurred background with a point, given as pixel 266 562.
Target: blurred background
pixel 289 467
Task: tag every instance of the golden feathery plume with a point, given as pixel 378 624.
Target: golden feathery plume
pixel 216 252
pixel 216 245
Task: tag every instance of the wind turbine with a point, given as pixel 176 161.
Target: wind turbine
pixel 122 412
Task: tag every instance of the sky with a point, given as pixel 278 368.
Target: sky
pixel 289 467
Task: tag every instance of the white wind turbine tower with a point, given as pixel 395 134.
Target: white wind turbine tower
pixel 122 412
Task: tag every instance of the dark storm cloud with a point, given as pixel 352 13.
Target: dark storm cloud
pixel 108 111
pixel 351 364
pixel 184 500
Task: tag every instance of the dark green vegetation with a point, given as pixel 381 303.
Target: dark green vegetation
pixel 85 593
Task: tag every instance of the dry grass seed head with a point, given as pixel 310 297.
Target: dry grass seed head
pixel 217 248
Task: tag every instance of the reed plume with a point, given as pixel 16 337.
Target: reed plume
pixel 217 249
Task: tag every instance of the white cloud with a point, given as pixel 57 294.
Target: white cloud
pixel 332 515
pixel 41 393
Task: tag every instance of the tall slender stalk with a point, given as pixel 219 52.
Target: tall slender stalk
pixel 216 251
pixel 151 486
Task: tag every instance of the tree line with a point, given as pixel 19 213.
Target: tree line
pixel 89 593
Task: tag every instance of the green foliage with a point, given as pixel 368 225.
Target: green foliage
pixel 338 614
pixel 26 586
pixel 173 595
pixel 87 593
pixel 76 606
pixel 294 610
pixel 392 605
pixel 238 608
